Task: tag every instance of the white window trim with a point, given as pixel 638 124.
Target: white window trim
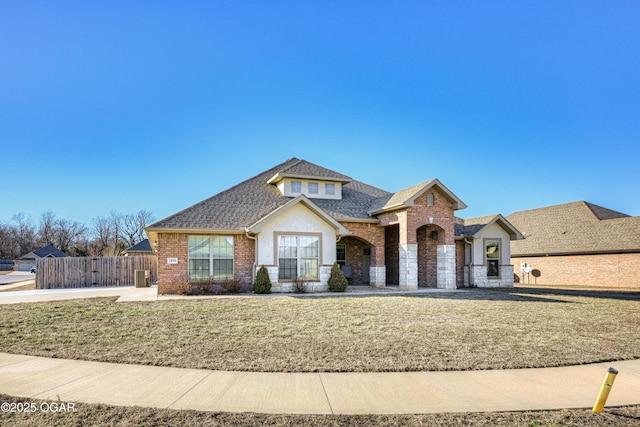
pixel 298 257
pixel 485 242
pixel 212 257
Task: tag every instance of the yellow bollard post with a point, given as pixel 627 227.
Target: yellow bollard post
pixel 605 389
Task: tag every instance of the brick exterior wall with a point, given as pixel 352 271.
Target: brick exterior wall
pixel 605 270
pixel 427 257
pixel 174 245
pixel 171 275
pixel 392 255
pixel 373 234
pixel 355 249
pixel 460 249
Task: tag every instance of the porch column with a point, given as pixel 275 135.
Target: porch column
pixel 446 262
pixel 378 269
pixel 408 252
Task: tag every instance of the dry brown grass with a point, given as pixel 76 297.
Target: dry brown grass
pixel 479 329
pixel 104 415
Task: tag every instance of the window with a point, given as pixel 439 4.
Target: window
pixel 313 188
pixel 298 256
pixel 341 254
pixel 296 187
pixel 492 251
pixel 210 257
pixel 330 189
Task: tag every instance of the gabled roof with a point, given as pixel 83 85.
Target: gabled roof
pixel 405 198
pixel 43 252
pixel 303 169
pixel 575 228
pixel 301 199
pixel 143 246
pixel 243 205
pixel 473 226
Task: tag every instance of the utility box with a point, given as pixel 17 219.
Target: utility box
pixel 140 279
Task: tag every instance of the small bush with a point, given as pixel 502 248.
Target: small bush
pixel 232 286
pixel 262 284
pixel 184 287
pixel 337 282
pixel 301 286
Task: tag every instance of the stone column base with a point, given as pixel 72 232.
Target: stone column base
pixel 378 276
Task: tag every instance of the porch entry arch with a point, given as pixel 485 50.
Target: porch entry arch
pixel 355 256
pixel 429 236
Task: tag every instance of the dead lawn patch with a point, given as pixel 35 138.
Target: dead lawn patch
pixel 459 331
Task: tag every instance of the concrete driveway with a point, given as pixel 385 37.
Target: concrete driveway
pixel 16 276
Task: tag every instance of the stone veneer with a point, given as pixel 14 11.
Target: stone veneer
pixel 481 280
pixel 446 267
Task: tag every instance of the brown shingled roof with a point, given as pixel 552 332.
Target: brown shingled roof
pixel 574 228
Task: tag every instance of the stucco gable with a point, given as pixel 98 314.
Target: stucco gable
pixel 474 227
pixel 303 200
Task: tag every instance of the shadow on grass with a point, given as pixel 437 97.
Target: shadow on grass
pixel 472 294
pixel 589 293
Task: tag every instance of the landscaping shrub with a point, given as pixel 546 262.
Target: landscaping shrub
pixel 262 284
pixel 232 286
pixel 301 286
pixel 337 282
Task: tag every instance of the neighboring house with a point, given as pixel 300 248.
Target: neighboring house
pixel 486 251
pixel 28 261
pixel 139 249
pixel 577 243
pixel 298 218
pixel 6 264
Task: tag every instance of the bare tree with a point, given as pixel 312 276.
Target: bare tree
pixel 119 243
pixel 47 230
pixel 67 233
pixel 134 225
pixel 102 235
pixel 8 242
pixel 25 233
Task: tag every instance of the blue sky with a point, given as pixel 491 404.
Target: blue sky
pixel 128 105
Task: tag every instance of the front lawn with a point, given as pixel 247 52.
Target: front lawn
pixel 477 329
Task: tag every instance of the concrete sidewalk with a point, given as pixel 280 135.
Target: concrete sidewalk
pixel 316 393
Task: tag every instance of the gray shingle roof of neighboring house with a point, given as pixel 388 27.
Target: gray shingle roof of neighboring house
pixel 470 227
pixel 45 251
pixel 244 204
pixel 143 246
pixel 575 228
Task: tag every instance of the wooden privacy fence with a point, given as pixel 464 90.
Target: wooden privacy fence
pixel 84 272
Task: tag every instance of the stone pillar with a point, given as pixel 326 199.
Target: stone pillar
pixel 378 276
pixel 446 267
pixel 409 267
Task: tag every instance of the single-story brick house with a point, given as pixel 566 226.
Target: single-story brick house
pixel 298 218
pixel 577 243
pixel 28 261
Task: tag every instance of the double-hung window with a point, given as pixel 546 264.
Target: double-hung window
pixel 341 254
pixel 492 251
pixel 298 256
pixel 210 257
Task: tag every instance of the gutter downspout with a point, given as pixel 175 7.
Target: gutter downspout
pixel 255 250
